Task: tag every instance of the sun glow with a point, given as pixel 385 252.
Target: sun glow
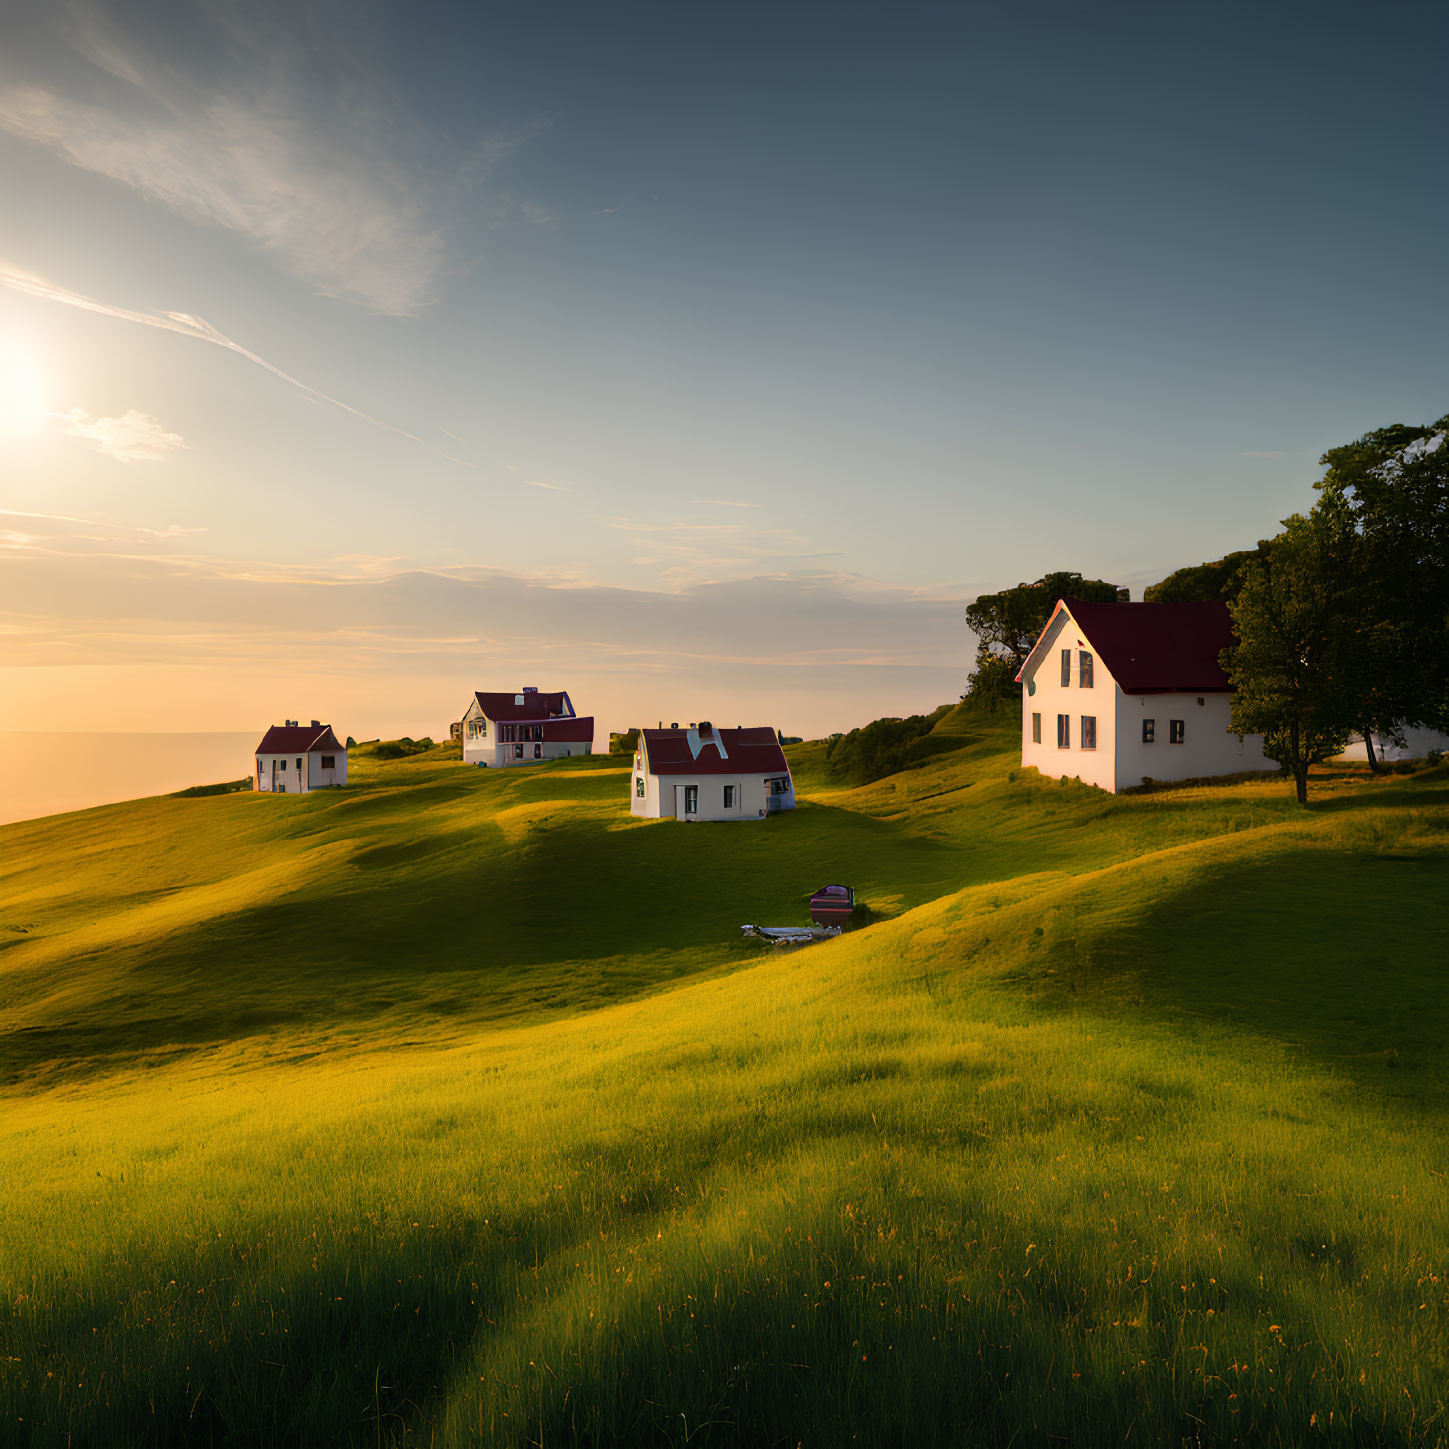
pixel 22 395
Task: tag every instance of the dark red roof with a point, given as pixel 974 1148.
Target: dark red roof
pixel 749 752
pixel 1151 648
pixel 535 706
pixel 569 731
pixel 297 740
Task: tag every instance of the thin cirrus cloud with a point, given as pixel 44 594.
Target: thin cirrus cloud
pixel 324 173
pixel 31 284
pixel 134 437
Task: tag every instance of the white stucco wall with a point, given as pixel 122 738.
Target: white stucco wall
pixel 320 779
pixel 751 799
pixel 1051 698
pixel 1208 748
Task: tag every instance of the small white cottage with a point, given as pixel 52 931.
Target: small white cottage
pixel 524 728
pixel 704 773
pixel 1114 694
pixel 293 759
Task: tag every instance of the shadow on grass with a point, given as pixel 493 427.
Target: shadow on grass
pixel 1335 954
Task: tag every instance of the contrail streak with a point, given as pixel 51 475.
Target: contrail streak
pixel 185 325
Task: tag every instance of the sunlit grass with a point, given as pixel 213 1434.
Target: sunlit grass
pixel 1126 1128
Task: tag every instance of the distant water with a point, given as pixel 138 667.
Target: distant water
pixel 44 774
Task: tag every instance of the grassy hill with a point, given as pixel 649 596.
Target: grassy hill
pixel 450 1108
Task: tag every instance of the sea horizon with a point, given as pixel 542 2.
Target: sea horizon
pixel 57 772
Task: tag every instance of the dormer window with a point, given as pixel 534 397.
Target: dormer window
pixel 1084 669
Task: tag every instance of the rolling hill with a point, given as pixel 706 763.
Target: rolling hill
pixel 450 1108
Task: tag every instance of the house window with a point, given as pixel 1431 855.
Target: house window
pixel 1176 731
pixel 778 786
pixel 1036 729
pixel 691 799
pixel 639 786
pixel 1084 669
pixel 482 729
pixel 1149 731
pixel 299 766
pixel 729 797
pixel 1064 731
pixel 329 762
pixel 1066 668
pixel 538 752
pixel 518 752
pixel 1089 732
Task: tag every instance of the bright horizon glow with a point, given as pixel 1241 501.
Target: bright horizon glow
pixel 22 392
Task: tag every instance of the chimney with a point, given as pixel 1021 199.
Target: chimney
pixel 530 689
pixel 316 724
pixel 674 724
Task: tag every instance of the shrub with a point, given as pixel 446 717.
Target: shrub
pixel 883 747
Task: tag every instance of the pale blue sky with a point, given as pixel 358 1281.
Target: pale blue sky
pixel 948 296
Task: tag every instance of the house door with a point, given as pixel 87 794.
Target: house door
pixel 686 802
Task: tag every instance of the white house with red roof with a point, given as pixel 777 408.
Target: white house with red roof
pixel 295 758
pixel 706 773
pixel 524 728
pixel 1115 694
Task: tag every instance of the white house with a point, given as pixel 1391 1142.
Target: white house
pixel 1115 694
pixel 1419 743
pixel 293 758
pixel 524 728
pixel 704 773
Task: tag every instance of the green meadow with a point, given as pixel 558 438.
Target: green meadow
pixel 450 1108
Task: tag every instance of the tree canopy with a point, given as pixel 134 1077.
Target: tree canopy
pixel 1218 579
pixel 1390 491
pixel 1008 623
pixel 1290 665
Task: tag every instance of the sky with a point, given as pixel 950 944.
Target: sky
pixel 702 360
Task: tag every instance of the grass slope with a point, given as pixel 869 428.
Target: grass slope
pixel 448 1109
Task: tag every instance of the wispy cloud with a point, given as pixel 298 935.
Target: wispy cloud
pixel 18 279
pixel 321 166
pixel 131 438
pixel 552 487
pixel 726 503
pixel 507 210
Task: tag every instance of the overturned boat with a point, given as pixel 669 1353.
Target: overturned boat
pixel 789 935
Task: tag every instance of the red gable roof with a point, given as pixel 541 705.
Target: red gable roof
pixel 570 731
pixel 297 740
pixel 1151 648
pixel 535 706
pixel 750 752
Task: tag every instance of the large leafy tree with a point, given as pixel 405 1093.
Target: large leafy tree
pixel 1008 624
pixel 1298 646
pixel 1390 491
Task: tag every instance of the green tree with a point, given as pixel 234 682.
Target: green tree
pixel 993 682
pixel 1296 645
pixel 1008 624
pixel 1390 490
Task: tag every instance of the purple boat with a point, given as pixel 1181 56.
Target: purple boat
pixel 831 905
